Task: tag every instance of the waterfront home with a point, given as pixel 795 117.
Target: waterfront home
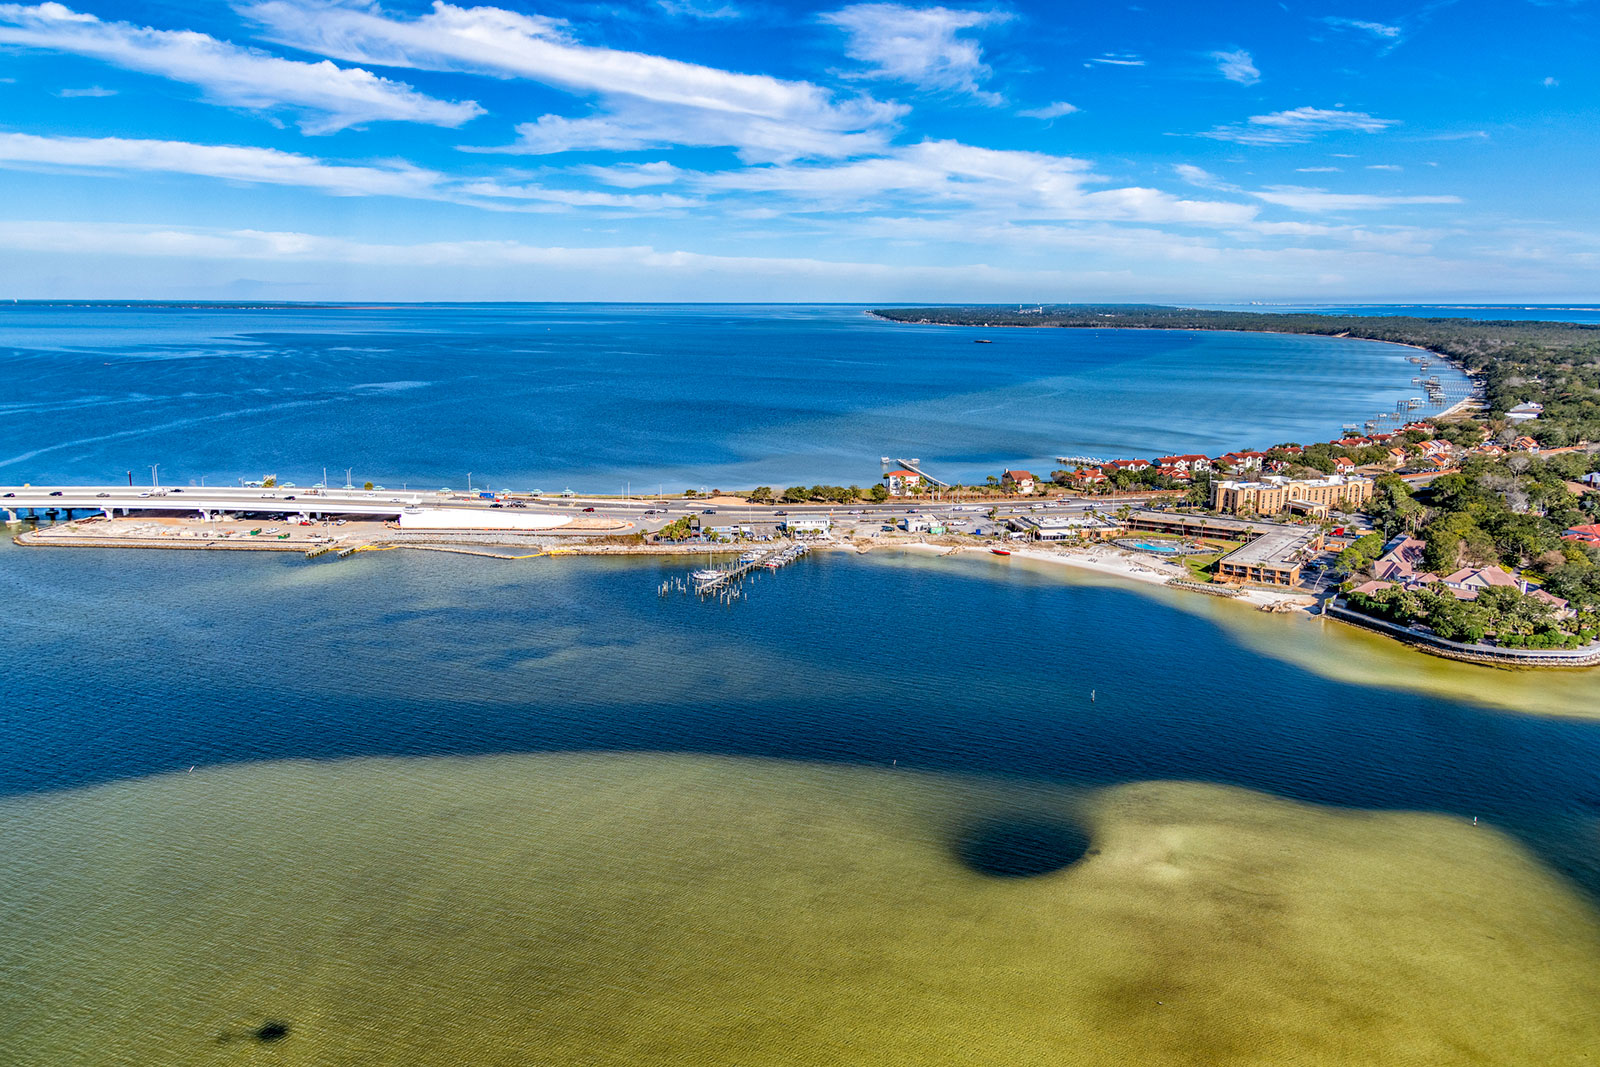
pixel 903 483
pixel 1185 463
pixel 1467 582
pixel 1353 442
pixel 1018 482
pixel 1584 535
pixel 1130 464
pixel 1525 412
pixel 1401 560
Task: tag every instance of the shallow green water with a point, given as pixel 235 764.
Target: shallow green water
pixel 579 909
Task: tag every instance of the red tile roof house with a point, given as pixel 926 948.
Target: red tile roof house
pixel 1242 461
pixel 1130 464
pixel 1344 465
pixel 1185 463
pixel 1526 444
pixel 1368 588
pixel 1353 442
pixel 1585 535
pixel 1436 447
pixel 1490 450
pixel 1021 481
pixel 1088 476
pixel 902 482
pixel 1177 474
pixel 1398 454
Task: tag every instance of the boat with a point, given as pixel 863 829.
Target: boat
pixel 1001 551
pixel 982 341
pixel 709 575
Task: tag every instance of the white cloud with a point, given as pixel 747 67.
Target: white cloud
pixel 1202 178
pixel 951 176
pixel 91 91
pixel 1317 170
pixel 919 45
pixel 1237 67
pixel 230 162
pixel 227 74
pixel 1318 200
pixel 1384 166
pixel 1113 59
pixel 1050 111
pixel 633 125
pixel 633 175
pixel 698 9
pixel 1298 126
pixel 269 166
pixel 650 99
pixel 1550 83
pixel 1376 29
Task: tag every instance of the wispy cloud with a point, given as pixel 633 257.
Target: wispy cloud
pixel 649 100
pixel 1237 67
pixel 1319 200
pixel 1384 166
pixel 91 91
pixel 269 166
pixel 1317 170
pixel 952 175
pixel 920 46
pixel 1113 59
pixel 1378 30
pixel 1298 126
pixel 330 97
pixel 1049 111
pixel 699 9
pixel 1202 178
pixel 1550 83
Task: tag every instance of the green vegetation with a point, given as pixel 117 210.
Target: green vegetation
pixel 761 494
pixel 679 529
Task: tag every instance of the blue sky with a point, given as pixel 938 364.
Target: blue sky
pixel 761 150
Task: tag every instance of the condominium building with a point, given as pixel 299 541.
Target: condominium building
pixel 1274 495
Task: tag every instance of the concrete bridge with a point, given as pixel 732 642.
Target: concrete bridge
pixel 208 502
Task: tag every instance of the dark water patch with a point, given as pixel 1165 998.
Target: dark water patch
pixel 1021 846
pixel 270 1031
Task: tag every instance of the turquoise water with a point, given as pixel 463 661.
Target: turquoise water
pixel 607 397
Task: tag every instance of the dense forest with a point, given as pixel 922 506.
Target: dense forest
pixel 1556 364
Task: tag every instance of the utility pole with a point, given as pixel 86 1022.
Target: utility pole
pixel 130 479
pixel 469 483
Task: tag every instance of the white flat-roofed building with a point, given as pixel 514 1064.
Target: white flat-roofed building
pixel 808 525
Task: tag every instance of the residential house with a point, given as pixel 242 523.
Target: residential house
pixel 1018 482
pixel 1130 464
pixel 1241 461
pixel 1185 463
pixel 1584 535
pixel 903 483
pixel 1525 444
pixel 1401 560
pixel 1343 465
pixel 1525 412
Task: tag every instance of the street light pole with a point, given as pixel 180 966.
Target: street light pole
pixel 154 483
pixel 469 482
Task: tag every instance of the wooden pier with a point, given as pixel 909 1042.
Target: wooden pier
pixel 713 581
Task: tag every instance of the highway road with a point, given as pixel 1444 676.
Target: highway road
pixel 648 515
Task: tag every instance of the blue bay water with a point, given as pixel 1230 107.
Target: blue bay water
pixel 801 746
pixel 607 397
